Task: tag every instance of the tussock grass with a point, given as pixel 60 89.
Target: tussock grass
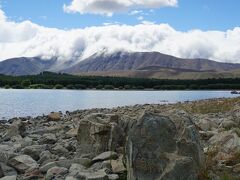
pixel 211 106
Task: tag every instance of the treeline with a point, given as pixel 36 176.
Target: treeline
pixel 48 80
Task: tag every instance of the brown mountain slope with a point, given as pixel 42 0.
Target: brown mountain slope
pixel 147 61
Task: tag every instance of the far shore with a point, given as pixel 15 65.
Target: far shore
pixel 116 89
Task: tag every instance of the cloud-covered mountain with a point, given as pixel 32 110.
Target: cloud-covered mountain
pixel 125 61
pixel 135 64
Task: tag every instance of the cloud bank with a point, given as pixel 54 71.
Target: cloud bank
pixel 29 39
pixel 108 7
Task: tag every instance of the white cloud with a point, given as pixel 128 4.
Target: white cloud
pixel 135 12
pixel 108 7
pixel 2 15
pixel 140 18
pixel 29 39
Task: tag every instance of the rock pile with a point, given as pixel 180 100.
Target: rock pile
pixel 134 143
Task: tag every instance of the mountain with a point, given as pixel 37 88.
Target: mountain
pixel 25 66
pixel 147 61
pixel 135 64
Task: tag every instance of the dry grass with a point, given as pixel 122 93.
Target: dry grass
pixel 210 164
pixel 211 106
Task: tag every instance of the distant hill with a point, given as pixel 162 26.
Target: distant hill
pixel 126 64
pixel 25 66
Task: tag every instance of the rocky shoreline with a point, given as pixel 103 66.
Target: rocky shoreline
pixel 192 140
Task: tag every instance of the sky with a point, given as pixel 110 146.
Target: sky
pixel 76 29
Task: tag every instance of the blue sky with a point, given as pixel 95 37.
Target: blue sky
pixel 190 14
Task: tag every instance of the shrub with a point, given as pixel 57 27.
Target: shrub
pixel 70 86
pixel 40 86
pixel 157 87
pixel 26 83
pixel 17 86
pixel 140 87
pixel 109 87
pixel 127 87
pixel 7 87
pixel 58 86
pixel 90 87
pixel 99 87
pixel 80 86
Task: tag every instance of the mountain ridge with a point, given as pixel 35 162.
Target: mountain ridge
pixel 122 61
pixel 133 64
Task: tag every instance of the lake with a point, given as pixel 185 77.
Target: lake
pixel 20 103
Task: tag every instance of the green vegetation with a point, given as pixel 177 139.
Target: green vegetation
pixel 58 86
pixel 26 83
pixel 48 80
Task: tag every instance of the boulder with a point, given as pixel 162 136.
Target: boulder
pixel 113 176
pixel 6 152
pixel 228 124
pixel 101 165
pixel 236 113
pixel 59 150
pixel 163 147
pixel 48 138
pixel 206 124
pixel 106 156
pixel 97 134
pixel 65 163
pixel 54 116
pixel 56 172
pixel 117 166
pixel 5 170
pixel 226 141
pixel 236 168
pixel 99 175
pixel 17 128
pixel 75 168
pixel 14 177
pixel 46 157
pixel 72 133
pixel 70 178
pixel 34 151
pixel 1 172
pixel 227 147
pixel 33 174
pixel 23 163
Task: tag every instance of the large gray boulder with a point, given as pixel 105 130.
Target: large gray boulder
pixel 99 133
pixel 9 178
pixel 163 147
pixel 17 128
pixel 56 173
pixel 226 144
pixel 34 151
pixel 5 170
pixel 1 172
pixel 106 156
pixel 6 152
pixel 65 163
pixel 23 163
